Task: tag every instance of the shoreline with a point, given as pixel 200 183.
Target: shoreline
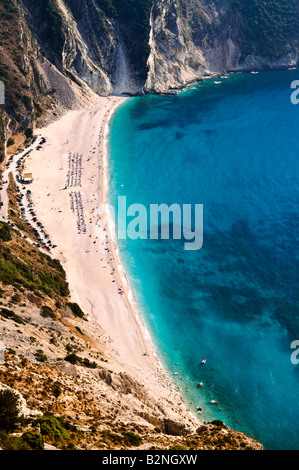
pixel 116 261
pixel 93 267
pixel 120 269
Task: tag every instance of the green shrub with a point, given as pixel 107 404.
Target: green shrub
pixel 16 298
pixel 56 389
pixel 12 442
pixel 74 359
pixel 10 142
pixel 132 439
pixel 27 101
pixel 47 312
pixel 34 440
pixel 76 310
pixel 87 363
pixel 9 314
pixel 40 356
pixel 178 447
pixel 28 133
pixel 55 429
pixel 5 234
pixel 9 410
pixel 69 348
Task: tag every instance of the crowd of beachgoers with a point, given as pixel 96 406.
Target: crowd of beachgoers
pixel 69 184
pixel 15 167
pixel 75 165
pixel 77 209
pixel 75 170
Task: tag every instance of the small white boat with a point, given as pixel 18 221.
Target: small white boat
pixel 203 361
pixel 214 402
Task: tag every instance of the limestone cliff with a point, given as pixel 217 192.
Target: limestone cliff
pixel 191 39
pixel 84 44
pixel 156 45
pixel 56 54
pixel 56 362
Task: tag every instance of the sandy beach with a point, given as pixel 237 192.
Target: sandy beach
pixel 69 182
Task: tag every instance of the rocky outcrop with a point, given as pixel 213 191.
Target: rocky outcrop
pixel 192 39
pixel 57 55
pixel 160 44
pixel 23 409
pixel 174 428
pixel 88 45
pixel 59 364
pixel 102 418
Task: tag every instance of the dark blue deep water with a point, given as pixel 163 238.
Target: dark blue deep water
pixel 234 148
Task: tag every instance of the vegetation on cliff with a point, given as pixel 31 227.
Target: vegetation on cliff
pixel 72 395
pixel 25 267
pixel 270 27
pixel 25 94
pixel 264 28
pixel 36 313
pixel 81 418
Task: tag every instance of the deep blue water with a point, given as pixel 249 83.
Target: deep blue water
pixel 234 148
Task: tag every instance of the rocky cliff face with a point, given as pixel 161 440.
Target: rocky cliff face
pixel 56 53
pixel 84 43
pixel 156 45
pixel 51 347
pixel 24 87
pixel 191 39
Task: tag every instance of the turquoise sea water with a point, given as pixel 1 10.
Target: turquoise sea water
pixel 232 147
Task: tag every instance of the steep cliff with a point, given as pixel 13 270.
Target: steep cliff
pixel 24 88
pixel 154 45
pixel 191 39
pixel 88 42
pixel 56 362
pixel 129 46
pixel 57 55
